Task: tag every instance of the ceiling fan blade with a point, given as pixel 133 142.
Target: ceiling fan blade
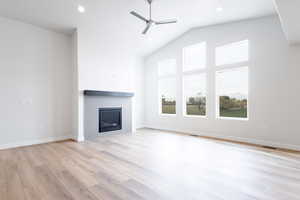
pixel 166 22
pixel 138 16
pixel 147 28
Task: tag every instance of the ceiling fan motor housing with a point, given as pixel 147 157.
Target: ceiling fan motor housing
pixel 149 22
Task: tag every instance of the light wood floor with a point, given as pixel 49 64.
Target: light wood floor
pixel 151 165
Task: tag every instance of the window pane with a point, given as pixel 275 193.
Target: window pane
pixel 167 67
pixel 195 94
pixel 232 53
pixel 167 95
pixel 232 92
pixel 194 57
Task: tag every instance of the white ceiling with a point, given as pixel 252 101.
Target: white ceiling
pixel 289 15
pixel 111 17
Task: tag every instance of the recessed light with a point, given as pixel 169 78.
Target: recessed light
pixel 219 9
pixel 81 9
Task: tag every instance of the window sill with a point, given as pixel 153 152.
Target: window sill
pixel 167 115
pixel 196 116
pixel 233 118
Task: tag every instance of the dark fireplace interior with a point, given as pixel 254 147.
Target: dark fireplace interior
pixel 110 119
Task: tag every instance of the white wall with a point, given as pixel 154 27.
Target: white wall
pixel 289 15
pixel 75 94
pixel 139 89
pixel 35 84
pixel 274 85
pixel 108 65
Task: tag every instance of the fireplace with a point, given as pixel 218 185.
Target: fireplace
pixel 105 111
pixel 110 119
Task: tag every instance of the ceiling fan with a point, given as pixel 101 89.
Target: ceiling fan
pixel 149 22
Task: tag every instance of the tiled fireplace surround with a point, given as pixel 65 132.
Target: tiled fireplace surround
pixel 93 100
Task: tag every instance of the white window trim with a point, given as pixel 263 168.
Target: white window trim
pixel 195 116
pixel 234 118
pixel 167 115
pixel 204 70
pixel 235 63
pixel 183 58
pixel 218 97
pixel 218 68
pixel 184 109
pixel 160 113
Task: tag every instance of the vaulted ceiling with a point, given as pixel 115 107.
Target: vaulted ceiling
pixel 111 17
pixel 289 15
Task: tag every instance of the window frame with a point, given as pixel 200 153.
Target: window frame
pixel 236 62
pixel 228 67
pixel 184 60
pixel 162 77
pixel 204 70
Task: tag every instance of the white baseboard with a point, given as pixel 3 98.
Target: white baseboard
pixel 80 139
pixel 234 138
pixel 35 141
pixel 140 127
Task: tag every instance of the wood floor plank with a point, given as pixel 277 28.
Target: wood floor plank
pixel 142 190
pixel 86 177
pixel 149 165
pixel 103 194
pixel 34 156
pixel 115 187
pixel 3 177
pixel 75 187
pixel 15 190
pixel 28 177
pixel 50 186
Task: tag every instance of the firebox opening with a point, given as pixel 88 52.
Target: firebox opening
pixel 110 119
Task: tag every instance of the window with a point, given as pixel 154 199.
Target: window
pixel 167 86
pixel 232 80
pixel 167 68
pixel 194 80
pixel 231 73
pixel 167 90
pixel 194 88
pixel 232 93
pixel 232 53
pixel 194 57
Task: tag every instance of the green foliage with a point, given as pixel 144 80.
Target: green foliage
pixel 167 102
pixel 169 109
pixel 231 107
pixel 196 106
pixel 195 110
pixel 241 113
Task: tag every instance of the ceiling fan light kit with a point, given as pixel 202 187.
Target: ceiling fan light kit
pixel 150 22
